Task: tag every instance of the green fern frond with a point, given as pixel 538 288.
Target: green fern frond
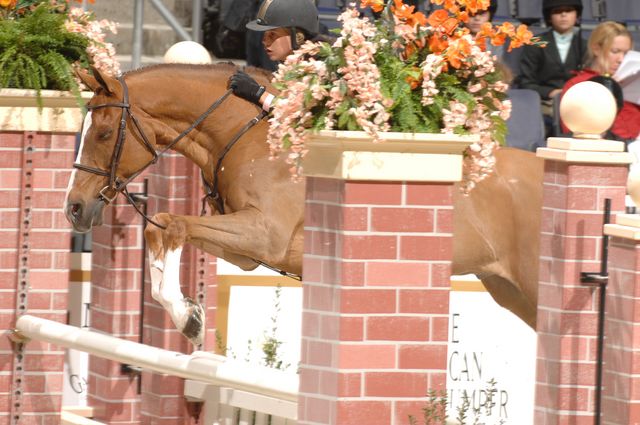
pixel 36 52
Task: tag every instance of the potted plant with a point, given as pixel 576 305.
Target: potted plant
pixel 41 42
pixel 403 73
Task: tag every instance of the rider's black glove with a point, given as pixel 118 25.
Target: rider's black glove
pixel 246 87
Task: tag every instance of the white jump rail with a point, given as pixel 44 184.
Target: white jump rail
pixel 213 379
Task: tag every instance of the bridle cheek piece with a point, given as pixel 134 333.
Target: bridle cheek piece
pixel 116 185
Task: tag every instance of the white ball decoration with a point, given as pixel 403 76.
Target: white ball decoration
pixel 588 109
pixel 187 52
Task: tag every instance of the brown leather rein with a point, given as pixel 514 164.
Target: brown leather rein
pixel 116 185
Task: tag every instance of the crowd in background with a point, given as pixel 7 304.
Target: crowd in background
pixel 538 76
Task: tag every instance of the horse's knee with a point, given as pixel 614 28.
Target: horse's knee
pixel 153 233
pixel 175 235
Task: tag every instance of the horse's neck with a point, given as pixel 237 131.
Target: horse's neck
pixel 176 106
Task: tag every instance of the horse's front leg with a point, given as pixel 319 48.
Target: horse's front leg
pixel 165 250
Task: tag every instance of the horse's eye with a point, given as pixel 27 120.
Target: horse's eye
pixel 105 134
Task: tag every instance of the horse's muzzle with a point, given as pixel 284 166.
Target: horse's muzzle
pixel 83 217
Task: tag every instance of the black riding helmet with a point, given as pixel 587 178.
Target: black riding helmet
pixel 273 14
pixel 549 5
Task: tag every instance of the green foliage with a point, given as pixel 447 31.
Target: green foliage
pixel 270 345
pixel 434 411
pixel 37 52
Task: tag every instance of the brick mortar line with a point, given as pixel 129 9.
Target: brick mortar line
pixel 586 212
pixel 571 260
pixel 378 260
pixel 382 206
pixel 573 236
pixel 567 362
pixel 375 342
pixel 377 233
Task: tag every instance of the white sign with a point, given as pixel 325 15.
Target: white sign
pixel 488 343
pixel 258 314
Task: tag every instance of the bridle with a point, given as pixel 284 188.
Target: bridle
pixel 115 186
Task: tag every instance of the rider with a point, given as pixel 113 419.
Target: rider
pixel 287 24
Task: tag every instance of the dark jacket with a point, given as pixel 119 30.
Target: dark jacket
pixel 541 68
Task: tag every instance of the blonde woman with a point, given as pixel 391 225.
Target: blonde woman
pixel 608 44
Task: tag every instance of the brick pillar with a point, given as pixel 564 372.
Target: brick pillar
pixel 621 399
pixel 35 241
pixel 576 182
pixel 115 308
pixel 377 265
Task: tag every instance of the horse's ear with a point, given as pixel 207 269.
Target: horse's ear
pixel 108 83
pixel 87 79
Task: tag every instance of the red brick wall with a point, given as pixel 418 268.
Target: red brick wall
pixel 34 269
pixel 621 399
pixel 174 187
pixel 376 297
pixel 571 236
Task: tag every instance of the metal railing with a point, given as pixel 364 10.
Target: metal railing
pixel 138 24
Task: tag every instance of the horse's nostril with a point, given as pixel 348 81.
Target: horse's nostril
pixel 75 210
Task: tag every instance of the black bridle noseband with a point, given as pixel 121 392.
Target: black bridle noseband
pixel 116 185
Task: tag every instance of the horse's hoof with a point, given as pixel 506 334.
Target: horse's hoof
pixel 194 327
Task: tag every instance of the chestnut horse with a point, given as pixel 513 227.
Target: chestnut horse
pixel 495 235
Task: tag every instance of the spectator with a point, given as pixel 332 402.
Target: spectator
pixel 608 44
pixel 475 23
pixel 547 70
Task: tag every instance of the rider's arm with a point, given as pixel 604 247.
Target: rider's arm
pixel 265 101
pixel 247 88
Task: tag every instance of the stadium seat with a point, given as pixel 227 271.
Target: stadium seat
pixel 525 126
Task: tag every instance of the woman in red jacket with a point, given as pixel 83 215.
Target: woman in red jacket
pixel 608 44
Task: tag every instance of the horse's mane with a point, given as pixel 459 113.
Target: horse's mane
pixel 216 67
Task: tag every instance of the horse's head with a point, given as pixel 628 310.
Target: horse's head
pixel 114 148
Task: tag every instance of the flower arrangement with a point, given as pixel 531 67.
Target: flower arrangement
pixel 41 41
pixel 403 72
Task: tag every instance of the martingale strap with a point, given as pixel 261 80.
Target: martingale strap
pixel 212 191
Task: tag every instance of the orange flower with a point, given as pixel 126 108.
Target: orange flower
pixel 90 1
pixel 437 44
pixel 9 4
pixel 413 82
pixel 463 16
pixel 473 6
pixel 522 36
pixel 450 5
pixel 457 52
pixel 405 13
pixel 442 21
pixel 507 28
pixel 375 5
pixel 412 47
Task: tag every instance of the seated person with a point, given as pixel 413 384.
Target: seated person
pixel 477 20
pixel 545 70
pixel 608 44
